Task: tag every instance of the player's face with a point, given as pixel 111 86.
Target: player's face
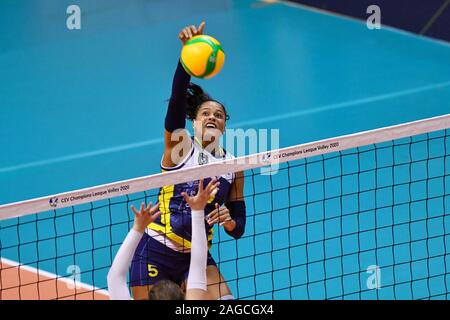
pixel 210 120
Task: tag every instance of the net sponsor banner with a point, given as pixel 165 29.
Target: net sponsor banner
pixel 264 159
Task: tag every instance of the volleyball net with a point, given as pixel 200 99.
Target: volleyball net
pixel 362 216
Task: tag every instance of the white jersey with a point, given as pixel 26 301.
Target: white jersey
pixel 199 156
pixel 174 223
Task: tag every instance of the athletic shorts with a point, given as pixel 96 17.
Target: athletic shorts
pixel 154 261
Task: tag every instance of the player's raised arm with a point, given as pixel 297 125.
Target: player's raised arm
pixel 117 275
pixel 196 282
pixel 176 112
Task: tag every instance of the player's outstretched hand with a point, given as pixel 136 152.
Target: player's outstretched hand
pixel 199 201
pixel 191 31
pixel 145 216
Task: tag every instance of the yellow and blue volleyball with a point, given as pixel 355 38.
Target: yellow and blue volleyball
pixel 202 56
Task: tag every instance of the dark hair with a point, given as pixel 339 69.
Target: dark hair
pixel 195 98
pixel 165 290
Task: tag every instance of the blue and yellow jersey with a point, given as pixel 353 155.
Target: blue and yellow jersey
pixel 175 220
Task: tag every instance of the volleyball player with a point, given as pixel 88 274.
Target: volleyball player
pixel 166 289
pixel 164 250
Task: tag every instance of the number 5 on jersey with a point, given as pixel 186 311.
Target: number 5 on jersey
pixel 152 271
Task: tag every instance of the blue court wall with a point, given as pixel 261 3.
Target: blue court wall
pixel 410 15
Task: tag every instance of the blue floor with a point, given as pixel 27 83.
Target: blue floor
pixel 86 107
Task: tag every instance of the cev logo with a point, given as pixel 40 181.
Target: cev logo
pixel 266 158
pixel 53 202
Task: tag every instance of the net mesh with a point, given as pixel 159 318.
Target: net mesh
pixel 369 222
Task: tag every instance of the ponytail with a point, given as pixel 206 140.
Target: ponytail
pixel 195 98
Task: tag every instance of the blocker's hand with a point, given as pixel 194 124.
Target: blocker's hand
pixel 191 31
pixel 199 201
pixel 145 216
